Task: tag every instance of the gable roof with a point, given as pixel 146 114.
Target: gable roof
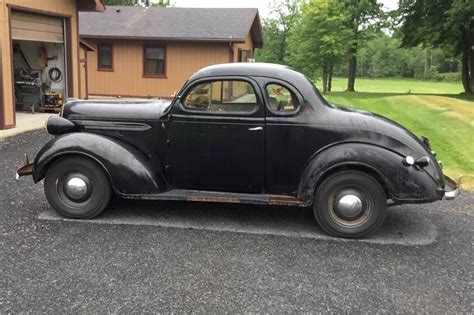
pixel 90 5
pixel 86 45
pixel 182 24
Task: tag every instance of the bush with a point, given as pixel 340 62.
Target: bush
pixel 448 77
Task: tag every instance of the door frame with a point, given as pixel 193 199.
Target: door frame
pixel 190 85
pixel 68 67
pixel 2 100
pixel 178 112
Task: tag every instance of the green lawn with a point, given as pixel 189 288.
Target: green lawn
pixel 405 86
pixel 432 109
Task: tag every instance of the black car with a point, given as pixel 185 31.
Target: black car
pixel 239 133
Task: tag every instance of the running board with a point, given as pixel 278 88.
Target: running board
pixel 222 197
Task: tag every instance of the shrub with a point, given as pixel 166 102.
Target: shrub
pixel 448 77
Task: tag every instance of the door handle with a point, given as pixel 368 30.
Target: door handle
pixel 255 128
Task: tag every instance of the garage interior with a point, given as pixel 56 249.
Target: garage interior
pixel 39 61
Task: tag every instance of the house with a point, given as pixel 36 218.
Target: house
pixel 150 52
pixel 39 47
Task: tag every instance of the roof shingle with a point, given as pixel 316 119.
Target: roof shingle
pixel 192 24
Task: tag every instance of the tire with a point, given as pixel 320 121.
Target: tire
pixel 77 187
pixel 350 204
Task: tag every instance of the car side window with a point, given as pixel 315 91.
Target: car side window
pixel 281 99
pixel 222 96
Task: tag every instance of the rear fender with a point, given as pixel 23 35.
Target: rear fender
pixel 401 183
pixel 129 170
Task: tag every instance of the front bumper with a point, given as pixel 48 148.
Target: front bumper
pixel 25 170
pixel 453 188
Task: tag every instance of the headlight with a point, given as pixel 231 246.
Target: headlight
pixel 56 125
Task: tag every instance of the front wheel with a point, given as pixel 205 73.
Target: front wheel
pixel 350 204
pixel 77 187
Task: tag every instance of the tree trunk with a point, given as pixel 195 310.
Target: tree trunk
pixel 465 71
pixel 352 68
pixel 281 51
pixel 325 78
pixel 330 71
pixel 425 73
pixel 470 44
pixel 471 62
pixel 467 63
pixel 282 48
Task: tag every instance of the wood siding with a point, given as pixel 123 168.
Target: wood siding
pixel 127 78
pixel 248 45
pixel 83 73
pixel 63 8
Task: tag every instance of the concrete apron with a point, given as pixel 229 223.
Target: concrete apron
pixel 26 121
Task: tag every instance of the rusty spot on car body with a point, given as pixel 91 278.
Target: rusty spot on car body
pixel 285 201
pixel 213 199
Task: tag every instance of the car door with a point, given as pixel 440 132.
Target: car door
pixel 285 136
pixel 216 137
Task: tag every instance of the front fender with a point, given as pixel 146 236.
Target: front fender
pixel 129 170
pixel 403 184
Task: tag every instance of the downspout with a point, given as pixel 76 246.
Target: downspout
pixel 231 52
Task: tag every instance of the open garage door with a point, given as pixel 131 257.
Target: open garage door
pixel 35 27
pixel 39 61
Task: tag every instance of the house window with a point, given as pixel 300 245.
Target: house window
pixel 244 55
pixel 154 61
pixel 105 58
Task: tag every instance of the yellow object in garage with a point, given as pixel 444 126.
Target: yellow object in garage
pixel 53 101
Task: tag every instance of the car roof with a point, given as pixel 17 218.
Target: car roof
pixel 249 69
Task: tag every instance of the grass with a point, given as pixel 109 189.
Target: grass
pixel 405 86
pixel 432 109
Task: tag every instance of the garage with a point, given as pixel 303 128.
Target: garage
pixel 39 61
pixel 39 55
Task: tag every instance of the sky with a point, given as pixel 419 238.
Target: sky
pixel 262 5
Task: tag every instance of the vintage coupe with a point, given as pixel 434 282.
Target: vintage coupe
pixel 239 133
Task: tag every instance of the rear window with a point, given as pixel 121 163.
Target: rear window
pixel 280 98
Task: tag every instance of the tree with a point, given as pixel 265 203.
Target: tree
pixel 448 24
pixel 363 15
pixel 276 30
pixel 319 40
pixel 161 4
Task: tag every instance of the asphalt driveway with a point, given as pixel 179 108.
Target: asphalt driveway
pixel 171 256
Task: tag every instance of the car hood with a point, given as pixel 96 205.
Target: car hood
pixel 115 109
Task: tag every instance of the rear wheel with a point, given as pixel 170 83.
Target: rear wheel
pixel 77 187
pixel 350 204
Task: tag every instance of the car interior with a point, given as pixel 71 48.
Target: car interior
pixel 280 98
pixel 222 96
pixel 238 96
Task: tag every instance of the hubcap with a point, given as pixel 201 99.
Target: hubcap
pixel 77 188
pixel 350 206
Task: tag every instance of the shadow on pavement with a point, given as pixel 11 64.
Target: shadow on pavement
pixel 403 226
